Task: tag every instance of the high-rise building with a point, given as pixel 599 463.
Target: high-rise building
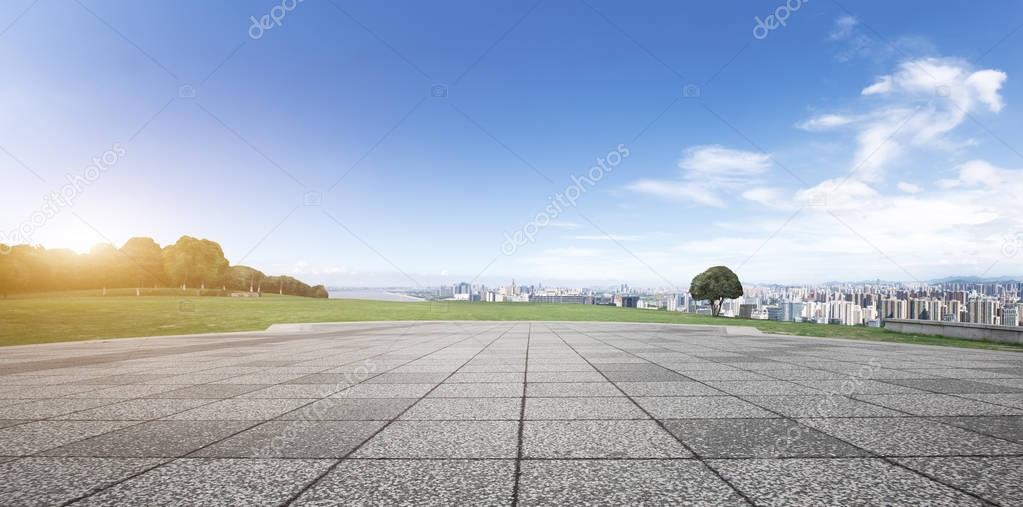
pixel 681 302
pixel 981 310
pixel 746 310
pixel 1010 315
pixel 792 311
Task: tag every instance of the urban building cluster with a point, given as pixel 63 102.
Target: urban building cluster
pixel 850 304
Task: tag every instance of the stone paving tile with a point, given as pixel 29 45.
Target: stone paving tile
pixel 938 405
pixel 5 403
pixel 492 368
pixel 334 379
pixel 127 391
pixel 121 379
pixel 37 436
pixel 1015 384
pixel 955 386
pixel 189 379
pixel 623 482
pixel 44 409
pixel 489 377
pixel 756 438
pixel 135 410
pixel 805 375
pixel 705 375
pixel 821 406
pixel 565 376
pixel 700 407
pixel 443 439
pixel 423 482
pixel 294 439
pixel 659 375
pixel 210 391
pixel 835 482
pixel 571 389
pixel 668 389
pixel 559 367
pixel 4 423
pixel 906 436
pixel 440 409
pixel 351 409
pixel 1014 400
pixel 512 390
pixel 852 387
pixel 1009 428
pixel 153 439
pixel 295 391
pixel 582 408
pixel 408 378
pixel 239 409
pixel 994 479
pixel 54 481
pixel 385 391
pixel 762 388
pixel 44 392
pixel 599 439
pixel 261 378
pixel 214 482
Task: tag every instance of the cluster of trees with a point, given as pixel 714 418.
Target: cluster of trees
pixel 140 262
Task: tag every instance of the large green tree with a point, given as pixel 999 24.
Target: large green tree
pixel 715 285
pixel 143 262
pixel 193 262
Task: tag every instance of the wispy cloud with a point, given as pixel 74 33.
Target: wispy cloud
pixel 605 237
pixel 707 171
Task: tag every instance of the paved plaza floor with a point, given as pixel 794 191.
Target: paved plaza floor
pixel 500 413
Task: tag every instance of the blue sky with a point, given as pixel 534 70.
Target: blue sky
pixel 857 141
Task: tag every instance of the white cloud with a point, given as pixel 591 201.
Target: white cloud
pixel 768 196
pixel 909 188
pixel 853 41
pixel 563 225
pixel 825 122
pixel 571 252
pixel 707 171
pixel 915 107
pixel 843 28
pixel 838 194
pixel 718 161
pixel 605 237
pixel 682 191
pixel 882 85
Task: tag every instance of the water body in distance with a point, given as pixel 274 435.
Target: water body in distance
pixel 375 294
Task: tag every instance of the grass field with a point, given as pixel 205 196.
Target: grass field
pixel 86 315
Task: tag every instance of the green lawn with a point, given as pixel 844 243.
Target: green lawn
pixel 85 315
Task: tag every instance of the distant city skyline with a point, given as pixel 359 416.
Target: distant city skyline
pixel 870 304
pixel 585 143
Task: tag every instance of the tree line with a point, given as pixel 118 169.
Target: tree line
pixel 139 263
